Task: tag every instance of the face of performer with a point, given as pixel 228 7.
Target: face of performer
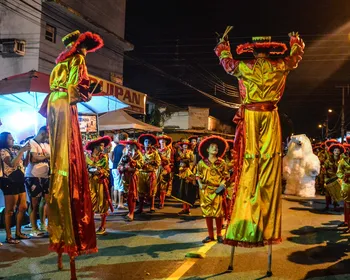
pixel 184 147
pixel 194 142
pixel 213 149
pixel 182 164
pixel 147 143
pixel 162 143
pixel 83 50
pixel 336 152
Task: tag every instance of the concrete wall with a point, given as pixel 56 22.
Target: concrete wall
pixel 178 120
pixel 20 21
pixel 108 13
pixel 102 63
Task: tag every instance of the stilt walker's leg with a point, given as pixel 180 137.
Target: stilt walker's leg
pixel 230 267
pixel 269 261
pixel 59 261
pixel 73 275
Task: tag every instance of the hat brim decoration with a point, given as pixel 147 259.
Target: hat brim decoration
pixel 168 139
pixel 130 142
pixel 151 137
pixel 273 47
pixel 347 147
pixel 92 42
pixel 330 142
pixel 105 139
pixel 337 145
pixel 185 142
pixel 204 145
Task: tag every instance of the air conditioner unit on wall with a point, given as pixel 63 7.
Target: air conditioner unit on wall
pixel 12 47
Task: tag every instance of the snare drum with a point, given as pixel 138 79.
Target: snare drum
pixel 333 187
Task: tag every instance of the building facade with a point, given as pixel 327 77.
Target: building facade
pixel 31 33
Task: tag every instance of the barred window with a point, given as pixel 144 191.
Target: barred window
pixel 50 33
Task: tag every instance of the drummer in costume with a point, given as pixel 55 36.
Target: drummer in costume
pixel 212 176
pixel 185 191
pixel 130 163
pixel 185 152
pixel 147 178
pixel 164 170
pixel 343 173
pixel 329 171
pixel 98 168
pixel 71 221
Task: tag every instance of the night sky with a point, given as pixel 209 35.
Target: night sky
pixel 174 41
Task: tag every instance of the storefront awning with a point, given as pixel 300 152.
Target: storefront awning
pixel 24 87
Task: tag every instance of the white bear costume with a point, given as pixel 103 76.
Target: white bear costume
pixel 300 167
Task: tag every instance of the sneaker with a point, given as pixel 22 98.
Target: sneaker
pixel 220 239
pixel 101 231
pixel 43 227
pixel 36 233
pixel 208 239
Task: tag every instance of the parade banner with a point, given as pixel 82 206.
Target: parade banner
pixel 135 99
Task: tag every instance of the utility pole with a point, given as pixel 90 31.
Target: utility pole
pixel 342 130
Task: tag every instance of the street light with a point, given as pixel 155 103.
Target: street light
pixel 330 110
pixel 321 126
pixel 327 129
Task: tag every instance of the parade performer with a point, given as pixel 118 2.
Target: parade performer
pixel 128 168
pixel 185 152
pixel 98 167
pixel 194 146
pixel 147 179
pixel 256 213
pixel 212 176
pixel 71 220
pixel 164 170
pixel 185 191
pixel 300 167
pixel 332 184
pixel 343 173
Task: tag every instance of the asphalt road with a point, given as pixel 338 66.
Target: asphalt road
pixel 154 247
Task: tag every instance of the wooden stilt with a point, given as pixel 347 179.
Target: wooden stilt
pixel 59 261
pixel 269 261
pixel 230 267
pixel 73 275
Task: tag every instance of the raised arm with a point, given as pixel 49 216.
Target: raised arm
pixel 223 52
pixel 297 50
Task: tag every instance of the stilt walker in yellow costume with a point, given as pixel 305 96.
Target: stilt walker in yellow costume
pixel 256 213
pixel 98 168
pixel 71 220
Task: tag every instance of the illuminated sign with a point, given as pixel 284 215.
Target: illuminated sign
pixel 135 99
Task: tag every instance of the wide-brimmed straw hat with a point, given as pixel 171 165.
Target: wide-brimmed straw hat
pixel 150 137
pixel 330 142
pixel 262 43
pixel 337 145
pixel 105 139
pixel 91 41
pixel 219 141
pixel 131 142
pixel 168 139
pixel 185 142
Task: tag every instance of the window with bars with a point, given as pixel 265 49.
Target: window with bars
pixel 50 33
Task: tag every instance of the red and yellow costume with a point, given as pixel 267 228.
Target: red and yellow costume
pixel 71 221
pixel 147 179
pixel 130 175
pixel 98 167
pixel 256 213
pixel 329 173
pixel 210 176
pixel 343 173
pixel 164 170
